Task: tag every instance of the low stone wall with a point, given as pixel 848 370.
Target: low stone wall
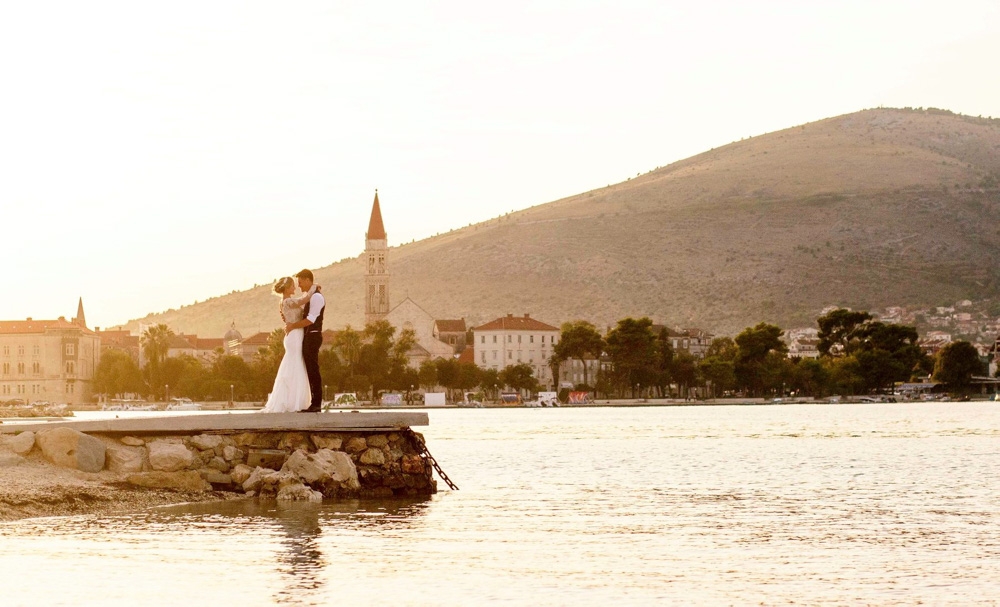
pixel 292 465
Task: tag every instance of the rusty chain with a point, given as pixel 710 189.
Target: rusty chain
pixel 427 457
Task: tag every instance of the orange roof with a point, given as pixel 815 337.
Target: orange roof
pixel 20 327
pixel 468 355
pixel 516 323
pixel 207 343
pixel 180 342
pixel 450 326
pixel 259 339
pixel 376 231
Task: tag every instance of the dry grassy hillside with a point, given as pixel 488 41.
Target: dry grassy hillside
pixel 880 207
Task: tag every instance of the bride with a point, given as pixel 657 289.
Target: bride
pixel 291 385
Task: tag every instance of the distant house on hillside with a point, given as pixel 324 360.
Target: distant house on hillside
pixel 692 341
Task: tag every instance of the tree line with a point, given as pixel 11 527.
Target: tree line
pixel 858 355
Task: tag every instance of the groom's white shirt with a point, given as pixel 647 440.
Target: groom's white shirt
pixel 316 304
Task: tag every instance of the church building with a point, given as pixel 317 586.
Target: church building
pixel 407 314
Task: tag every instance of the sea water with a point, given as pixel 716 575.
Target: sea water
pixel 786 504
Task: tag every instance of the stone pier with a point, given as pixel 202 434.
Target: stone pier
pixel 293 456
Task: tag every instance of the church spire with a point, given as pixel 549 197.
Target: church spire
pixel 377 268
pixel 376 231
pixel 80 318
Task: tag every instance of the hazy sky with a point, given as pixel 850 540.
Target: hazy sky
pixel 155 154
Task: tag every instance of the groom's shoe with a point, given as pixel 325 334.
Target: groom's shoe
pixel 311 410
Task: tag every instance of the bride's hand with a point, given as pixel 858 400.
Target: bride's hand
pixel 318 288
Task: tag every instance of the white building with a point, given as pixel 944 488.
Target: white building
pixel 510 340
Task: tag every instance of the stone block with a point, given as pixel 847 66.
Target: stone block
pixel 203 442
pixel 326 441
pixel 373 457
pixel 413 464
pixel 266 458
pixel 293 441
pixel 232 454
pixel 377 440
pixel 217 463
pixel 122 458
pixel 240 473
pixel 298 492
pixel 185 480
pixel 22 443
pixel 72 449
pixel 167 456
pixel 356 444
pixel 215 477
pixel 132 441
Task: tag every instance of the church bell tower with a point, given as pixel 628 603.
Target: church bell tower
pixel 376 268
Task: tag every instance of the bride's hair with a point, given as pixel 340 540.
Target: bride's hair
pixel 282 284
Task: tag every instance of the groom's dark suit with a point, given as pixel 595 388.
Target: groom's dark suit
pixel 311 342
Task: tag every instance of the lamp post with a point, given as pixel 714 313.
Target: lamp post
pixel 324 392
pixel 637 390
pixel 166 388
pixel 409 397
pixel 231 395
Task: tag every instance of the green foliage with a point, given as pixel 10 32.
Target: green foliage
pixel 579 340
pixel 956 363
pixel 836 330
pixel 632 350
pixel 760 359
pixel 520 377
pixel 117 374
pixel 427 375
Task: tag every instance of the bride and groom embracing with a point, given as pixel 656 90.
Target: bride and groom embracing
pixel 298 386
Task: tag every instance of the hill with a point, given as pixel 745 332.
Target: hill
pixel 876 208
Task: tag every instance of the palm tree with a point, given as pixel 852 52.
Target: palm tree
pixel 155 342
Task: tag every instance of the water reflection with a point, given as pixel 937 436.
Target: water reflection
pixel 299 527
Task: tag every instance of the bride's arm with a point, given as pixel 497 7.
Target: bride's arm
pixel 301 301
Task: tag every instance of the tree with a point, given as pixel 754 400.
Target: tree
pixel 758 362
pixel 519 377
pixel 489 381
pixel 836 329
pixel 117 374
pixel 155 343
pixel 664 363
pixel 632 351
pixel 348 343
pixel 685 371
pixel 886 353
pixel 719 372
pixel 956 363
pixel 427 375
pixel 579 340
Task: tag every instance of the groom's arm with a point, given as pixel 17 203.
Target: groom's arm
pixel 316 305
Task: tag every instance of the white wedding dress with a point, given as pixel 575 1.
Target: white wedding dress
pixel 291 385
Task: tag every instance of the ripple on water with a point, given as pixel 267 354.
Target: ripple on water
pixel 880 504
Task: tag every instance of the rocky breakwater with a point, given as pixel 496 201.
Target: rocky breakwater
pixel 271 464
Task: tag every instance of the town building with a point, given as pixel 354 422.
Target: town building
pixel 48 360
pixel 376 267
pixel 435 338
pixel 510 340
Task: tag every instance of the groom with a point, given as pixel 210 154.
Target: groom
pixel 312 324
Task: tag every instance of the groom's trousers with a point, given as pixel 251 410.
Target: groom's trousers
pixel 310 355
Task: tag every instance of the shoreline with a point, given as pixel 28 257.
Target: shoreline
pixel 31 487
